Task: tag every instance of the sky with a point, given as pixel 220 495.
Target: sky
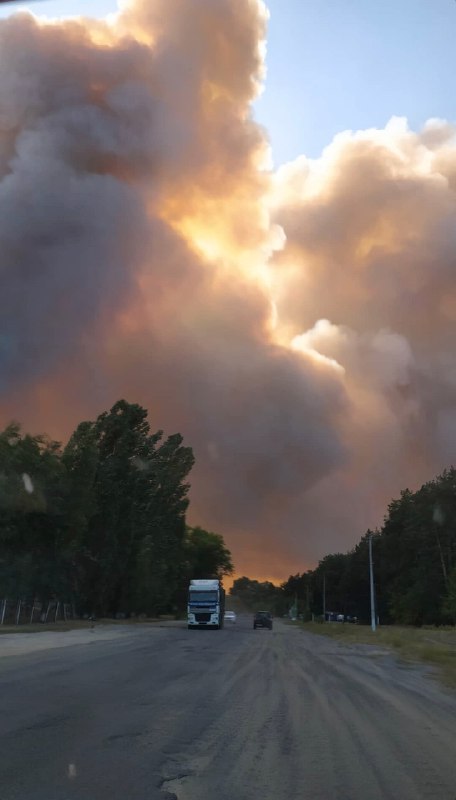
pixel 337 65
pixel 295 322
pixel 348 64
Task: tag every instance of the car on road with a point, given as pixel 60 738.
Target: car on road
pixel 262 619
pixel 230 616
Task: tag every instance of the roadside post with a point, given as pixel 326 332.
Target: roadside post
pixel 324 598
pixel 372 592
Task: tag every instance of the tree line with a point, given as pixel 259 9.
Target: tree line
pixel 414 554
pixel 101 522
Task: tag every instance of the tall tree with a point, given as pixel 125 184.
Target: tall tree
pixel 134 498
pixel 32 505
pixel 158 562
pixel 206 555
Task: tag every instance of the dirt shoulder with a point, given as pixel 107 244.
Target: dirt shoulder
pixel 18 642
pixel 434 646
pixel 77 624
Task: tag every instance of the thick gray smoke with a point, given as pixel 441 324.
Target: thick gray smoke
pixel 297 328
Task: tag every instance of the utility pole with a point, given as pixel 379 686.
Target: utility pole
pixel 324 598
pixel 372 592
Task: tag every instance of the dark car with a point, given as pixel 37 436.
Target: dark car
pixel 262 619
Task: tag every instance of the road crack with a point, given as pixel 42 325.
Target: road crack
pixel 171 786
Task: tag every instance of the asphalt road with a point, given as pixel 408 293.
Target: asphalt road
pixel 237 714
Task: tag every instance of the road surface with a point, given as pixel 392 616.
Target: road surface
pixel 162 712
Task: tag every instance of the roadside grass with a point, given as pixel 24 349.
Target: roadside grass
pixel 434 646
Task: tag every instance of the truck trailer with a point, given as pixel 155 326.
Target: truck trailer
pixel 206 604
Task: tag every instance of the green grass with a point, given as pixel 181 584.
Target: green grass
pixel 434 646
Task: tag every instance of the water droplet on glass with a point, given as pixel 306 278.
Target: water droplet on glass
pixel 28 485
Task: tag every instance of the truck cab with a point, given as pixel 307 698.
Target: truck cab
pixel 206 604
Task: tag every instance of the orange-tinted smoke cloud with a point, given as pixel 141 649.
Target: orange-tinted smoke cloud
pixel 297 327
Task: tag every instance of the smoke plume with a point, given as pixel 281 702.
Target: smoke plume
pixel 296 326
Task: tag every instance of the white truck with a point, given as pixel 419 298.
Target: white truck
pixel 206 604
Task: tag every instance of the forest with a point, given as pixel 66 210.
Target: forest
pixel 414 557
pixel 99 525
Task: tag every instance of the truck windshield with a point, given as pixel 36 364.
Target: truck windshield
pixel 196 597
